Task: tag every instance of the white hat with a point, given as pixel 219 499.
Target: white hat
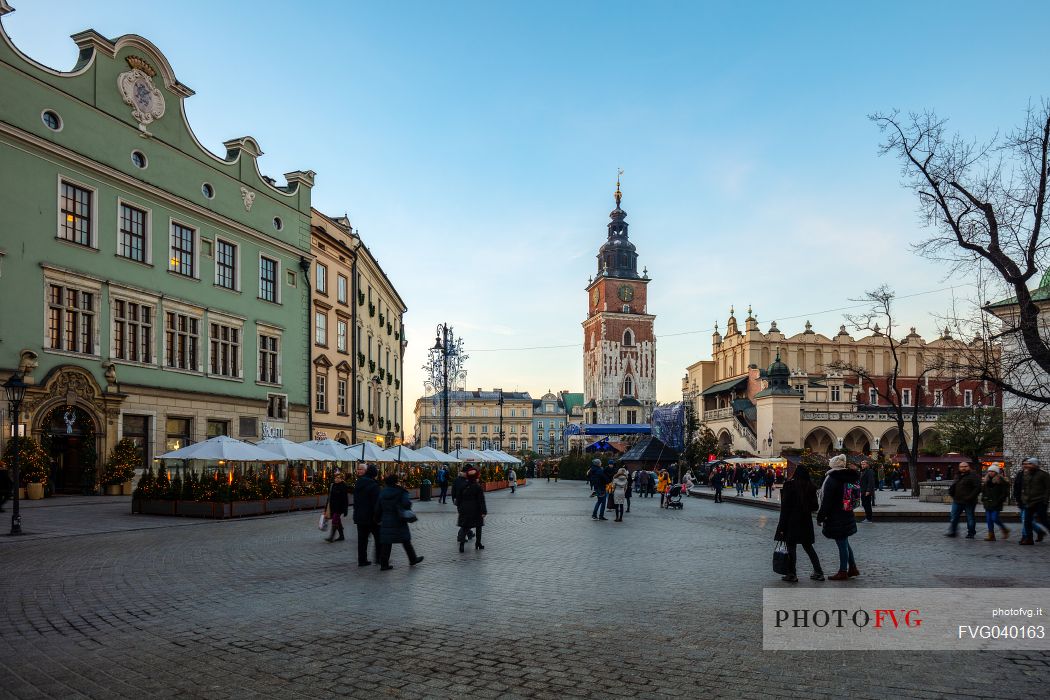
pixel 996 469
pixel 837 461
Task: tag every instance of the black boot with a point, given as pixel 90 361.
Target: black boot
pixel 341 537
pixel 477 542
pixel 461 543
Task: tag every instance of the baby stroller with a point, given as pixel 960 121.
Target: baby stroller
pixel 673 498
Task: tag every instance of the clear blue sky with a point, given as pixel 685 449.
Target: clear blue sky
pixel 475 145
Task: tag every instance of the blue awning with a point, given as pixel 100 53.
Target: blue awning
pixel 627 429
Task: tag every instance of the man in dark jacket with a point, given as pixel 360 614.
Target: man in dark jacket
pixel 597 479
pixel 366 493
pixel 442 479
pixel 457 486
pixel 965 491
pixel 867 488
pixel 717 481
pixel 1034 495
pixel 338 505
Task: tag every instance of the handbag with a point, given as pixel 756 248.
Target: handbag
pixel 781 559
pixel 406 515
pixel 610 501
pixel 322 524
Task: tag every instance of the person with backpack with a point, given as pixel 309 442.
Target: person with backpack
pixel 798 500
pixel 393 526
pixel 867 488
pixel 993 495
pixel 965 491
pixel 596 478
pixel 840 496
pixel 442 479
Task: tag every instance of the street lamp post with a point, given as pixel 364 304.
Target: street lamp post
pixel 15 389
pixel 499 444
pixel 444 367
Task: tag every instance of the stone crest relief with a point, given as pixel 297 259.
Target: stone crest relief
pixel 248 197
pixel 137 88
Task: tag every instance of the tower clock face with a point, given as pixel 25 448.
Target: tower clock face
pixel 626 292
pixel 594 296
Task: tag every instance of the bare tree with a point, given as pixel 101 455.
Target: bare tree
pixel 986 208
pixel 879 320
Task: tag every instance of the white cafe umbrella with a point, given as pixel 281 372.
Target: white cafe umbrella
pixel 467 455
pixel 494 456
pixel 435 455
pixel 509 459
pixel 222 448
pixel 289 450
pixel 400 453
pixel 330 448
pixel 368 452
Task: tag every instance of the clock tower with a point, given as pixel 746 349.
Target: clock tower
pixel 619 347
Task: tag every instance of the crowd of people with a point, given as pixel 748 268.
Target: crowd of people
pixel 1030 490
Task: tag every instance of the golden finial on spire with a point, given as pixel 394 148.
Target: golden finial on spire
pixel 619 195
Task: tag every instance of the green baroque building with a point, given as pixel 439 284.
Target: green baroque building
pixel 150 288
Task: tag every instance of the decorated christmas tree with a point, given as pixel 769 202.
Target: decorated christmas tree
pixel 120 467
pixel 33 462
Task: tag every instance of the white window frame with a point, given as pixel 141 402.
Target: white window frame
pixel 321 392
pixel 278 299
pixel 341 339
pixel 270 396
pixel 341 395
pixel 342 286
pixel 172 222
pixel 236 263
pixel 836 393
pixel 82 284
pixel 320 279
pixel 905 397
pixel 93 233
pixel 873 396
pixel 967 398
pixel 261 329
pixel 938 397
pixel 148 243
pixel 317 328
pixel 232 323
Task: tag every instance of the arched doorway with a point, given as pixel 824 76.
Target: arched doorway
pixel 69 435
pixel 857 441
pixel 891 442
pixel 725 441
pixel 819 441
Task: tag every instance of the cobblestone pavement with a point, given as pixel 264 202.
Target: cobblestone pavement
pixel 666 604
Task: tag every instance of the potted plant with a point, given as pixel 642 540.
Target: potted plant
pixel 33 465
pixel 120 467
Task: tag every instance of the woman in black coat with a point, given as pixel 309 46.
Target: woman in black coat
pixel 836 513
pixel 392 528
pixel 472 510
pixel 798 500
pixel 338 505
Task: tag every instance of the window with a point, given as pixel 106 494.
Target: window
pixel 278 224
pixel 268 276
pixel 340 336
pixel 71 319
pixel 181 334
pixel 341 397
pixel 938 397
pixel 277 406
pixel 132 331
pixel 459 427
pixel 968 397
pixel 216 428
pixel 248 426
pixel 225 264
pixel 472 428
pixel 632 418
pixel 906 397
pixel 136 429
pixel 182 249
pixel 322 279
pixel 320 393
pixel 628 387
pixel 51 120
pixel 873 396
pixel 207 190
pixel 76 214
pixel 225 351
pixel 836 393
pixel 178 433
pixel 524 444
pixel 484 428
pixel 138 159
pixel 341 289
pixel 269 364
pixel 513 444
pixel 132 233
pixel 472 444
pixel 321 328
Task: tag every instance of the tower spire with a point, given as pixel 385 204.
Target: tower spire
pixel 618 195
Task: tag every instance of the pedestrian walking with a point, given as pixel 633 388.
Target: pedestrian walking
pixel 867 488
pixel 5 485
pixel 740 479
pixel 597 479
pixel 798 501
pixel 643 483
pixel 442 479
pixel 366 493
pixel 767 480
pixel 718 481
pixel 1034 494
pixel 881 474
pixel 472 510
pixel 457 485
pixel 840 496
pixel 628 490
pixel 512 479
pixel 663 484
pixel 393 527
pixel 687 482
pixel 620 485
pixel 994 493
pixel 338 505
pixel 755 478
pixel 965 491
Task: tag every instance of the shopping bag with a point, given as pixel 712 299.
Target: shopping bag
pixel 322 524
pixel 781 559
